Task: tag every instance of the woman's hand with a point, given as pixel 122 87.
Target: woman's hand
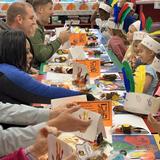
pixel 40 147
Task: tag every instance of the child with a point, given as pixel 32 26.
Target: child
pixel 132 28
pixel 149 48
pixel 154 123
pixel 118 40
pixel 104 13
pixel 137 38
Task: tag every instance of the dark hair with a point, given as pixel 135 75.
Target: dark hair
pixel 37 3
pixel 17 8
pixel 13 48
pixel 32 51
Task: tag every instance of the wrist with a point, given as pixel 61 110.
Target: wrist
pixel 32 153
pixel 60 40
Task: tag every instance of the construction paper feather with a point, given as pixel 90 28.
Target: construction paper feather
pixel 125 15
pixel 139 78
pixel 129 75
pixel 126 81
pixel 123 9
pixel 116 12
pixel 142 18
pixel 148 24
pixel 109 2
pixel 155 33
pixel 114 2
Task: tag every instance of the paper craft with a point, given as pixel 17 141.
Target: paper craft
pixel 141 103
pixel 109 86
pixel 84 151
pixel 59 102
pixel 102 107
pixel 77 52
pixel 129 119
pixel 93 66
pixel 58 77
pixel 57 149
pixel 80 75
pixel 136 146
pixel 92 131
pixel 78 39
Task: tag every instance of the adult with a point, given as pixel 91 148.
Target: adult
pixel 44 9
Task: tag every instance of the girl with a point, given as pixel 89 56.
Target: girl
pixel 149 48
pixel 137 38
pixel 132 28
pixel 117 42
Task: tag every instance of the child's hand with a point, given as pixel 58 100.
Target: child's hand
pixel 154 123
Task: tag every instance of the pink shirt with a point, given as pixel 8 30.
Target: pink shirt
pixel 17 155
pixel 118 47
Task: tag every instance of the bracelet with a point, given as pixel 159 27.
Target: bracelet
pixel 29 155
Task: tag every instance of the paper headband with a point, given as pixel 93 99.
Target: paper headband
pixel 105 7
pixel 151 44
pixel 137 25
pixel 139 35
pixel 156 64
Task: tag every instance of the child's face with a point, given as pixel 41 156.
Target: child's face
pixel 29 54
pixel 131 30
pixel 146 55
pixel 136 48
pixel 103 15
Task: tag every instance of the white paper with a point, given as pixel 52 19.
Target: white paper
pixel 59 77
pixel 77 52
pixel 91 133
pixel 140 103
pixel 57 149
pixel 62 101
pixel 130 119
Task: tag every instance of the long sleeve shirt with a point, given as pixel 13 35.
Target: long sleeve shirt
pixel 27 89
pixel 22 114
pixel 17 155
pixel 43 51
pixel 13 138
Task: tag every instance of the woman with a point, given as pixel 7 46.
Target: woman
pixel 38 149
pixel 16 86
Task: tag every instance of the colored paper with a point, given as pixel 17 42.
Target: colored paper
pixel 93 66
pixel 78 39
pixel 136 146
pixel 102 107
